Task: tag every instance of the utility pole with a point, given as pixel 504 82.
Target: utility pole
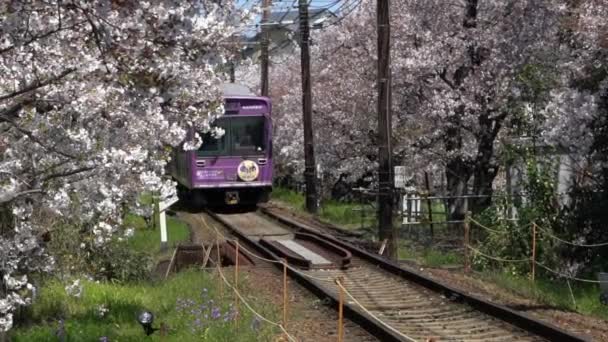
pixel 385 171
pixel 232 73
pixel 264 47
pixel 309 151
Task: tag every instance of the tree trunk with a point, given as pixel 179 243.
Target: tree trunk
pixel 6 219
pixel 457 176
pixel 458 171
pixel 485 169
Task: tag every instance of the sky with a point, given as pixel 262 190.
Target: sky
pixel 313 3
pixel 282 5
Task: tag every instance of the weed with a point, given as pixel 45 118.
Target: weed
pixel 552 292
pixel 148 239
pixel 188 303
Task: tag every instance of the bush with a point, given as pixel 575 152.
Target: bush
pixel 512 240
pixel 76 253
pixel 117 261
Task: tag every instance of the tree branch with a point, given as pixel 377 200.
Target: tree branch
pixel 443 77
pixel 30 135
pixel 38 84
pixel 11 112
pixel 68 173
pixel 7 197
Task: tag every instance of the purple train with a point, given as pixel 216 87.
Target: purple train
pixel 236 168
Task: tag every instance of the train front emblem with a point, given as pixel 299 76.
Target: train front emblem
pixel 248 170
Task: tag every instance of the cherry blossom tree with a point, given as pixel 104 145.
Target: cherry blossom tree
pixel 93 95
pixel 578 100
pixel 343 104
pixel 575 118
pixel 456 85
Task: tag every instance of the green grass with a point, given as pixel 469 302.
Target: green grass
pixel 289 197
pixel 552 292
pixel 349 215
pixel 148 239
pixel 429 257
pixel 83 322
pixel 125 301
pixel 346 215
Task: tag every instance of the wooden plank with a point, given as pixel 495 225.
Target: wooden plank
pixel 171 263
pixel 207 255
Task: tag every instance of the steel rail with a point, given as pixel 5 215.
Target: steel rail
pixel 537 327
pixel 372 326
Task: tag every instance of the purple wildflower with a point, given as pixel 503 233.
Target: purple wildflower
pixel 216 313
pixel 197 325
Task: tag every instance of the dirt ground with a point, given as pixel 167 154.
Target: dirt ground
pixel 594 328
pixel 309 319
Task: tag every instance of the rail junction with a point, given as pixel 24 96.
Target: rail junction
pixel 390 302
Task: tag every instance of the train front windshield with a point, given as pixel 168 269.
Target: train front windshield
pixel 243 136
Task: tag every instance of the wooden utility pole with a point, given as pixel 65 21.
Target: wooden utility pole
pixel 232 73
pixel 265 44
pixel 309 151
pixel 385 171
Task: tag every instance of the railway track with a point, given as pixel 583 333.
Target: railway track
pixel 392 303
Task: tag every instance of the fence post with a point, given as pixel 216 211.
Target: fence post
pixel 340 310
pixel 362 209
pixel 236 283
pixel 218 263
pixel 429 206
pixel 533 261
pixel 467 220
pixel 285 296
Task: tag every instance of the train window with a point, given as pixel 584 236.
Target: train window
pixel 247 135
pixel 212 146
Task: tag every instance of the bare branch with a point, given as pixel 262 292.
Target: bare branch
pixel 7 197
pixel 38 84
pixel 30 135
pixel 68 173
pixel 442 75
